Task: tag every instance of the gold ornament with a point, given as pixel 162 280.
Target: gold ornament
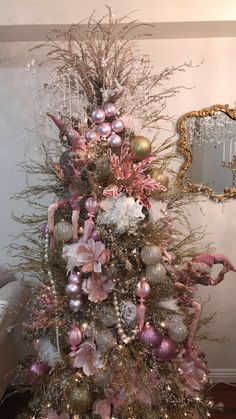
pixel 160 177
pixel 140 147
pixel 80 399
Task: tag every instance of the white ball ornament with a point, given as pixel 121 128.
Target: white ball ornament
pixel 155 273
pixel 151 255
pixel 177 330
pixel 63 231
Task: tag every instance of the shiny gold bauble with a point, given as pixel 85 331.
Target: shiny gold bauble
pixel 140 147
pixel 160 177
pixel 80 399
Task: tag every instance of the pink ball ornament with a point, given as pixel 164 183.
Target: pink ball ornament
pixel 143 288
pixel 95 235
pixel 104 129
pixel 75 304
pixel 114 140
pixel 74 337
pixel 149 336
pixel 109 109
pixel 74 278
pixel 72 290
pixel 166 350
pixel 117 125
pixel 91 135
pixel 98 115
pixel 91 205
pixel 39 368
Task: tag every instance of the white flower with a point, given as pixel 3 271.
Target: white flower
pixel 157 210
pixel 124 212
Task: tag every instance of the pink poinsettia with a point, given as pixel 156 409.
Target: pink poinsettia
pixel 88 358
pixel 97 287
pixel 92 256
pixel 131 177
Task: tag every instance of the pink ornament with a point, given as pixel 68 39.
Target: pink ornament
pixel 98 115
pixel 114 140
pixel 75 304
pixel 166 350
pixel 72 290
pixel 143 288
pixel 75 338
pixel 88 228
pixel 109 109
pixel 117 125
pixel 149 336
pixel 44 229
pixel 95 235
pixel 91 205
pixel 91 135
pixel 104 129
pixel 39 368
pixel 74 278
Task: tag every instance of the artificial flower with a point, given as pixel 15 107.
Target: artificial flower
pixel 88 358
pixel 97 287
pixel 123 212
pixel 91 256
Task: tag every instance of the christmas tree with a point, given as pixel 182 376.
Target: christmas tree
pixel 113 317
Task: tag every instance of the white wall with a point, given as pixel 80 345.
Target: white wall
pixel 213 82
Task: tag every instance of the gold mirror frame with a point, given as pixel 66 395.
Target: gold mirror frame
pixel 183 148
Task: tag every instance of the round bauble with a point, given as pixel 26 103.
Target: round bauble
pixel 117 125
pixel 149 336
pixel 104 129
pixel 91 205
pixel 155 273
pixel 91 135
pixel 98 116
pixel 39 368
pixel 109 109
pixel 151 255
pixel 160 177
pixel 107 316
pixel 143 288
pixel 75 304
pixel 63 231
pixel 177 330
pixel 140 148
pixel 114 141
pixel 80 399
pixel 72 289
pixel 101 378
pixel 166 350
pixel 103 166
pixel 105 340
pixel 74 278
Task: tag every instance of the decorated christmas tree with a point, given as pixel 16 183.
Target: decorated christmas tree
pixel 114 262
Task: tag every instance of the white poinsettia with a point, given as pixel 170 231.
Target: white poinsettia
pixel 123 212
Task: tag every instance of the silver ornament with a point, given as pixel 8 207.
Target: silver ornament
pixel 155 273
pixel 105 340
pixel 107 316
pixel 128 312
pixel 151 255
pixel 63 231
pixel 177 330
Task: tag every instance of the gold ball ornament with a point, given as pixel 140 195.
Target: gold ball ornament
pixel 160 177
pixel 80 399
pixel 140 148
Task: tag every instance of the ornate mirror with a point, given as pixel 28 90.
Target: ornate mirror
pixel 208 144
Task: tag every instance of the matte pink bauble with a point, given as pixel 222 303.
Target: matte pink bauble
pixel 74 337
pixel 114 140
pixel 166 350
pixel 104 129
pixel 149 336
pixel 109 109
pixel 91 135
pixel 117 125
pixel 143 288
pixel 72 290
pixel 91 205
pixel 98 115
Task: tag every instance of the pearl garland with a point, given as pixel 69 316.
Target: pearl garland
pixel 53 288
pixel 125 338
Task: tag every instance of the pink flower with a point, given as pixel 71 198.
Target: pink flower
pixel 88 358
pixel 97 287
pixel 92 256
pixel 131 177
pixel 102 408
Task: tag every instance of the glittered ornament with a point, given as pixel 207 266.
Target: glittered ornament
pixel 91 135
pixel 160 177
pixel 155 273
pixel 117 125
pixel 107 316
pixel 151 255
pixel 98 116
pixel 105 340
pixel 109 109
pixel 63 231
pixel 177 330
pixel 101 379
pixel 39 368
pixel 128 312
pixel 80 399
pixel 75 304
pixel 166 350
pixel 140 148
pixel 149 336
pixel 114 140
pixel 104 129
pixel 72 289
